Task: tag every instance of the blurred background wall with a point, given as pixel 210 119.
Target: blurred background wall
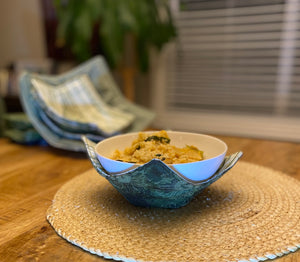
pixel 233 69
pixel 22 31
pixel 22 45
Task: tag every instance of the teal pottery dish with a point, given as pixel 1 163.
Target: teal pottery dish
pixel 156 184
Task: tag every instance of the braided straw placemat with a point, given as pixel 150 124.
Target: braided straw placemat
pixel 250 214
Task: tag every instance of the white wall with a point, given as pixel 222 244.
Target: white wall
pixel 21 31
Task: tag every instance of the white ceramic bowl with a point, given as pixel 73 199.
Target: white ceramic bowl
pixel 214 152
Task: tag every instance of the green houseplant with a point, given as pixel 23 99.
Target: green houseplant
pixel 147 22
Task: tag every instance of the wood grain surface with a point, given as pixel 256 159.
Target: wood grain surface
pixel 31 175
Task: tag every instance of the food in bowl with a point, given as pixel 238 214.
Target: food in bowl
pixel 214 151
pixel 157 145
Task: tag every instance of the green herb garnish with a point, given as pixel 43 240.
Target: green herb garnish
pixel 160 139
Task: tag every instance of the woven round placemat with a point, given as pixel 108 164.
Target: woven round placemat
pixel 250 214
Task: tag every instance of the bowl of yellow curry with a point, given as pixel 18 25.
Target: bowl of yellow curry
pixel 163 169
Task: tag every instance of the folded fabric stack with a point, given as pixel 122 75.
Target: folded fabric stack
pixel 19 129
pixel 83 101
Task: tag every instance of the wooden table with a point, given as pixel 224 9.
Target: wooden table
pixel 31 175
